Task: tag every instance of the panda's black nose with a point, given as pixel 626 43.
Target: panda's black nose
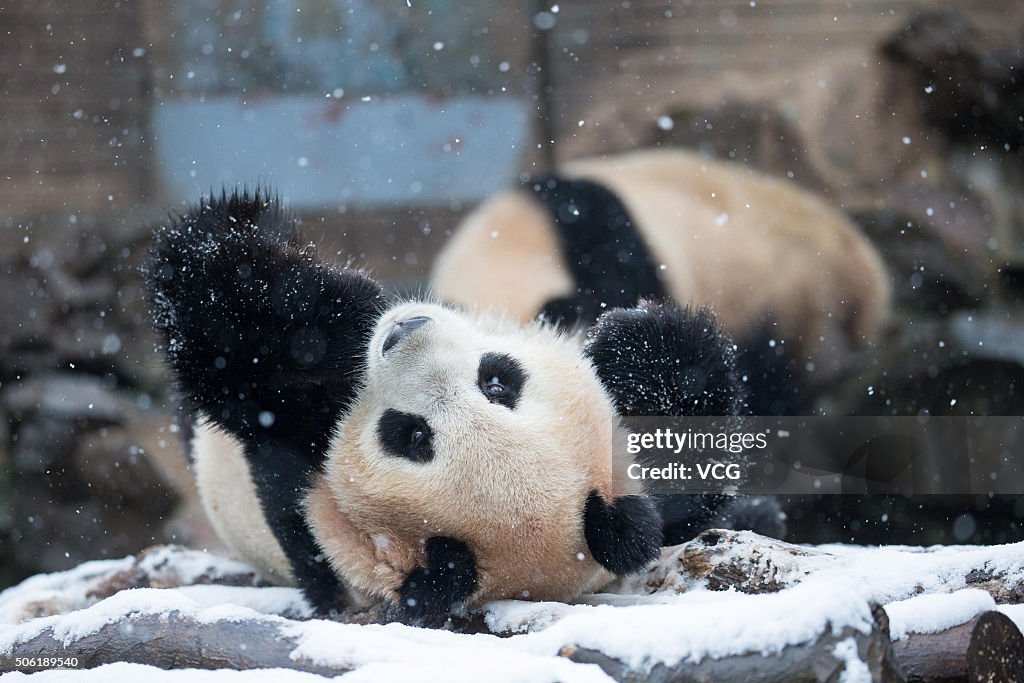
pixel 402 329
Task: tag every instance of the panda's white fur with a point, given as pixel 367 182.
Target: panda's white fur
pixel 747 245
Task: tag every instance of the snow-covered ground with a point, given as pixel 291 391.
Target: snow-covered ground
pixel 830 589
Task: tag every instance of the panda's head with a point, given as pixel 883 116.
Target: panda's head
pixel 476 411
pixel 500 437
pixel 476 429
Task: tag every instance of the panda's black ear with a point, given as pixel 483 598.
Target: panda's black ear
pixel 624 534
pixel 662 360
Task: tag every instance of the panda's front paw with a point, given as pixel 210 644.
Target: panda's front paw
pixel 624 535
pixel 430 593
pixel 662 360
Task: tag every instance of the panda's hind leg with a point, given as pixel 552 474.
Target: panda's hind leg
pixel 263 338
pixel 268 342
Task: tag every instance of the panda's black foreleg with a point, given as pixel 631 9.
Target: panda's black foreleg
pixel 268 343
pixel 430 593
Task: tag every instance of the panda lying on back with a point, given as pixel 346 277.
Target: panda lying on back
pixel 410 452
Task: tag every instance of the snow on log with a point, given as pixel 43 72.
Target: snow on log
pixel 741 560
pixel 162 566
pixel 848 654
pixel 166 629
pixel 935 636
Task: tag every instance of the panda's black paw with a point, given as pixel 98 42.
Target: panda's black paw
pixel 429 594
pixel 624 536
pixel 257 326
pixel 662 360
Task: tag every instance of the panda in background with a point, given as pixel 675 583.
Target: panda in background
pixel 409 452
pixel 772 260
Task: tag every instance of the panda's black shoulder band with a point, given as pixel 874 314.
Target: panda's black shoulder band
pixel 607 256
pixel 281 481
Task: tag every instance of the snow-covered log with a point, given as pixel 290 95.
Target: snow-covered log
pixel 178 640
pixel 170 640
pixel 743 561
pixel 726 605
pixel 862 656
pixel 987 647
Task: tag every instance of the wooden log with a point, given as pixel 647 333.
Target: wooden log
pixel 171 641
pixel 996 650
pixel 720 559
pixel 820 660
pixel 935 657
pixel 988 647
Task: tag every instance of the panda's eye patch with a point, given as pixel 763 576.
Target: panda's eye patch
pixel 406 436
pixel 501 378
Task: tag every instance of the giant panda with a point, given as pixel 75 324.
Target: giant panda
pixel 409 452
pixel 774 261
